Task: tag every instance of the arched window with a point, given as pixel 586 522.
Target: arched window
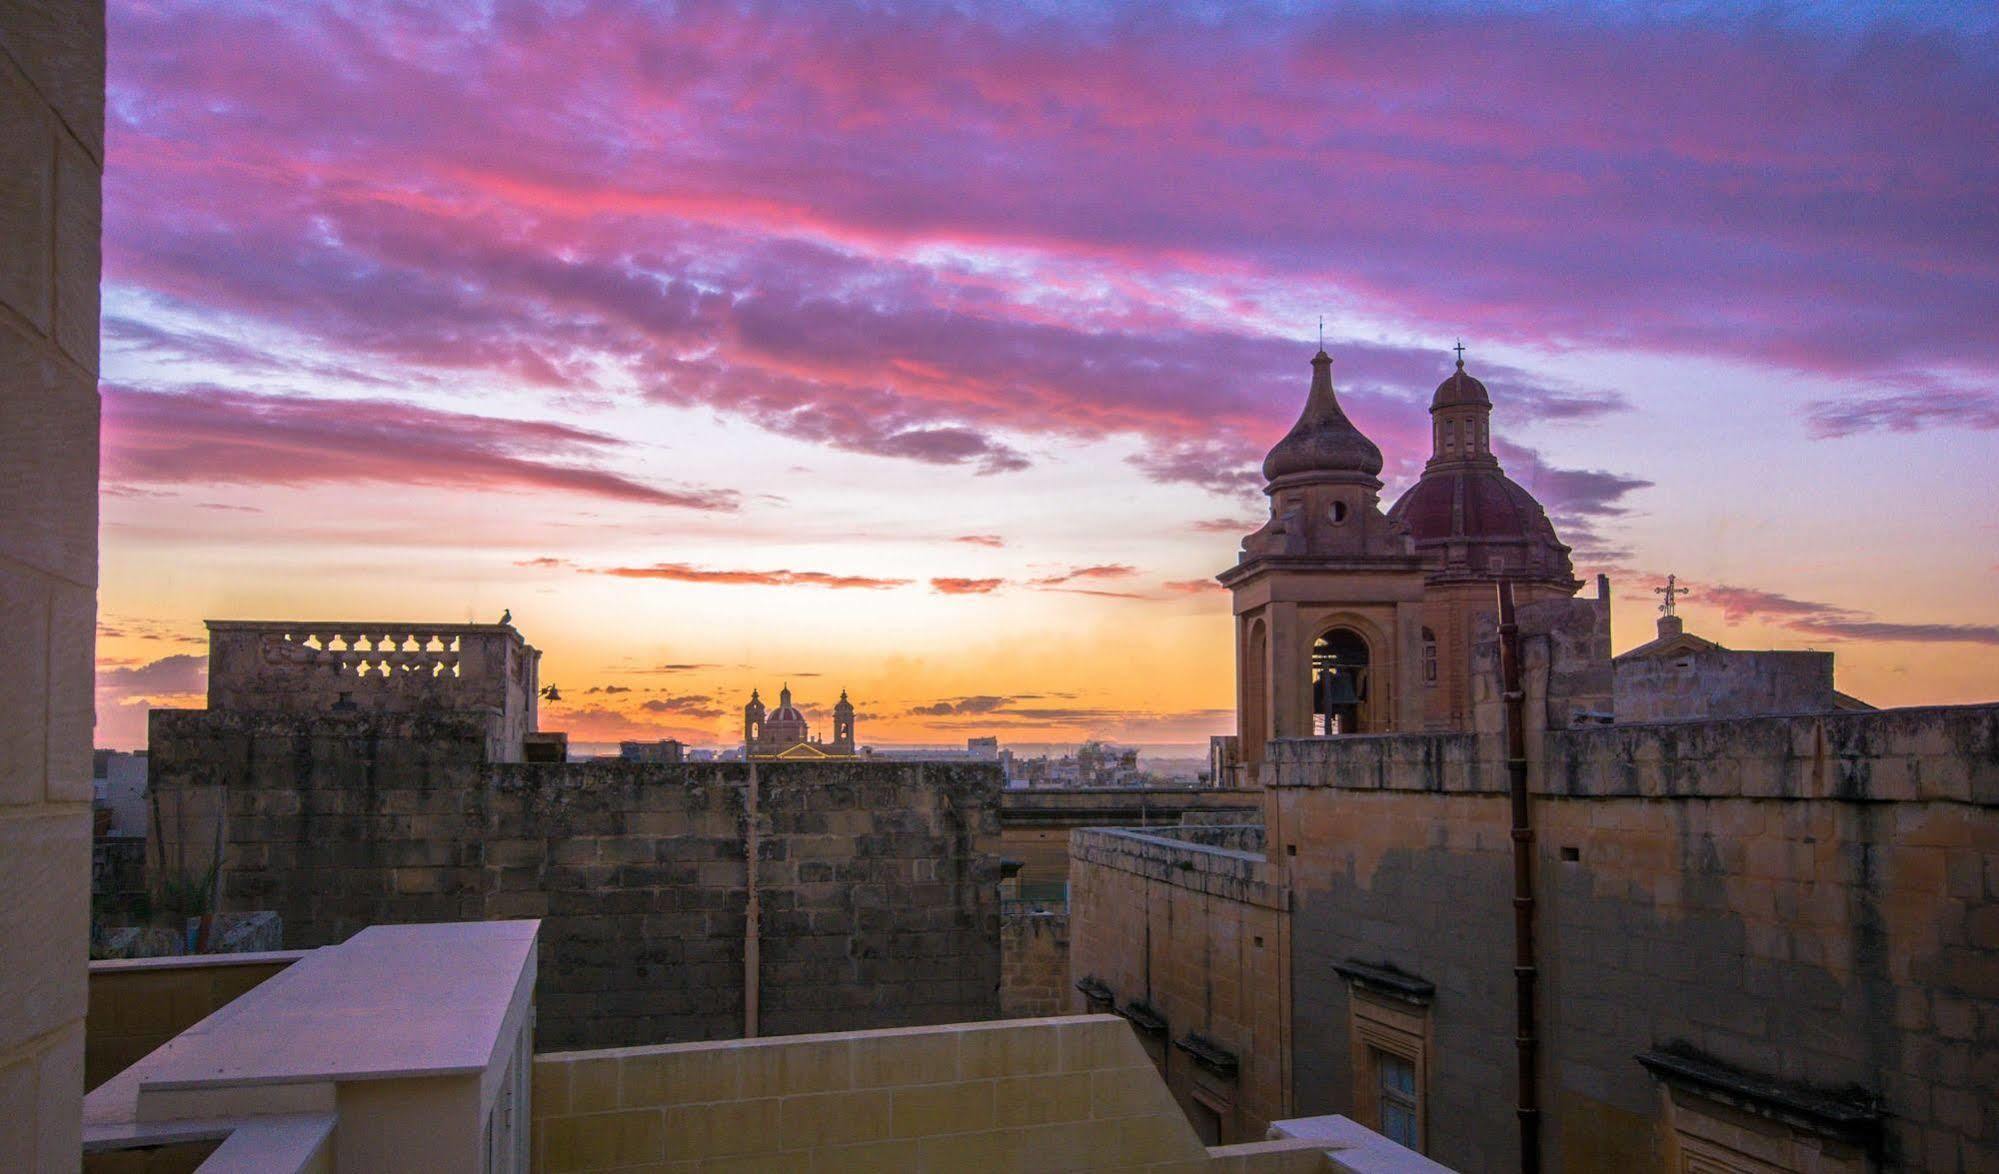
pixel 1429 658
pixel 1339 682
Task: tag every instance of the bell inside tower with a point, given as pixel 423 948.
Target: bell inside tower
pixel 1339 682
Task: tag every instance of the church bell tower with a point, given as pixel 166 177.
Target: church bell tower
pixel 1328 595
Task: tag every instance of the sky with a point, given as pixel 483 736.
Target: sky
pixel 928 350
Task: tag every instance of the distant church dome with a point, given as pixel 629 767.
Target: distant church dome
pixel 786 713
pixel 1323 441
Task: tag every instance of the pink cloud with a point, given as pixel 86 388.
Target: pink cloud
pixel 1097 572
pixel 949 586
pixel 212 435
pixel 1830 621
pixel 742 237
pixel 1816 173
pixel 683 573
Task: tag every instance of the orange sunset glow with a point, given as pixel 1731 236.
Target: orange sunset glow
pixel 931 353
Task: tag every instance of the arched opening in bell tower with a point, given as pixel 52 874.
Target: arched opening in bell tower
pixel 1339 682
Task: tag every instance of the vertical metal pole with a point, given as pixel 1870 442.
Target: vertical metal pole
pixel 753 905
pixel 1526 1043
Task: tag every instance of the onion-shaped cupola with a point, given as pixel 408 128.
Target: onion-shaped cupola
pixel 1323 444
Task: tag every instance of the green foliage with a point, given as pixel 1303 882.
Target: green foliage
pixel 186 894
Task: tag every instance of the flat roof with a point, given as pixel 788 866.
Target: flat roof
pixel 391 1001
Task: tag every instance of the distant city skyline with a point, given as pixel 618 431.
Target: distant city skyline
pixel 929 352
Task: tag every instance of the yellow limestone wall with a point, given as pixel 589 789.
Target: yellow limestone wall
pixel 1029 1094
pixel 138 1004
pixel 51 158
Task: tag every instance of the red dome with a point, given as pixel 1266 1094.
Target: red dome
pixel 1465 517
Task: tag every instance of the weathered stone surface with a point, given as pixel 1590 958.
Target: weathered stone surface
pixel 637 868
pixel 1195 932
pixel 24 643
pixel 78 231
pixel 1034 954
pixel 51 77
pixel 60 49
pixel 27 199
pixel 48 460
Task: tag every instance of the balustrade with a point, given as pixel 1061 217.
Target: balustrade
pixel 367 652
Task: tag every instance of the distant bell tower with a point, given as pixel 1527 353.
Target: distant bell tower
pixel 843 725
pixel 1328 594
pixel 753 720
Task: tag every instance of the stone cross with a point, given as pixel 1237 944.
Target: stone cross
pixel 1671 591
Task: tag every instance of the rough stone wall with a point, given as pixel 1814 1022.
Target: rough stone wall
pixel 1565 664
pixel 1034 964
pixel 1198 933
pixel 117 872
pixel 310 667
pixel 51 161
pixel 1722 684
pixel 1811 899
pixel 878 880
pixel 1035 824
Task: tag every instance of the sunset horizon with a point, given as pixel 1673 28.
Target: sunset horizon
pixel 936 365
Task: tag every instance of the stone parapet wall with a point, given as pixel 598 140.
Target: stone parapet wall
pixel 1052 1094
pixel 1947 753
pixel 1035 824
pixel 1411 762
pixel 138 1004
pixel 1229 873
pixel 878 881
pixel 1150 804
pixel 1897 755
pixel 1199 937
pixel 312 667
pixel 1034 964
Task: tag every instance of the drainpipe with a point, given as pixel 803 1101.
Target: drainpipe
pixel 753 905
pixel 1524 971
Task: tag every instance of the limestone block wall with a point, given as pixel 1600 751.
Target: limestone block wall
pixel 308 667
pixel 1199 936
pixel 1722 683
pixel 140 1003
pixel 51 161
pixel 1812 899
pixel 1034 964
pixel 878 881
pixel 1035 823
pixel 1052 1094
